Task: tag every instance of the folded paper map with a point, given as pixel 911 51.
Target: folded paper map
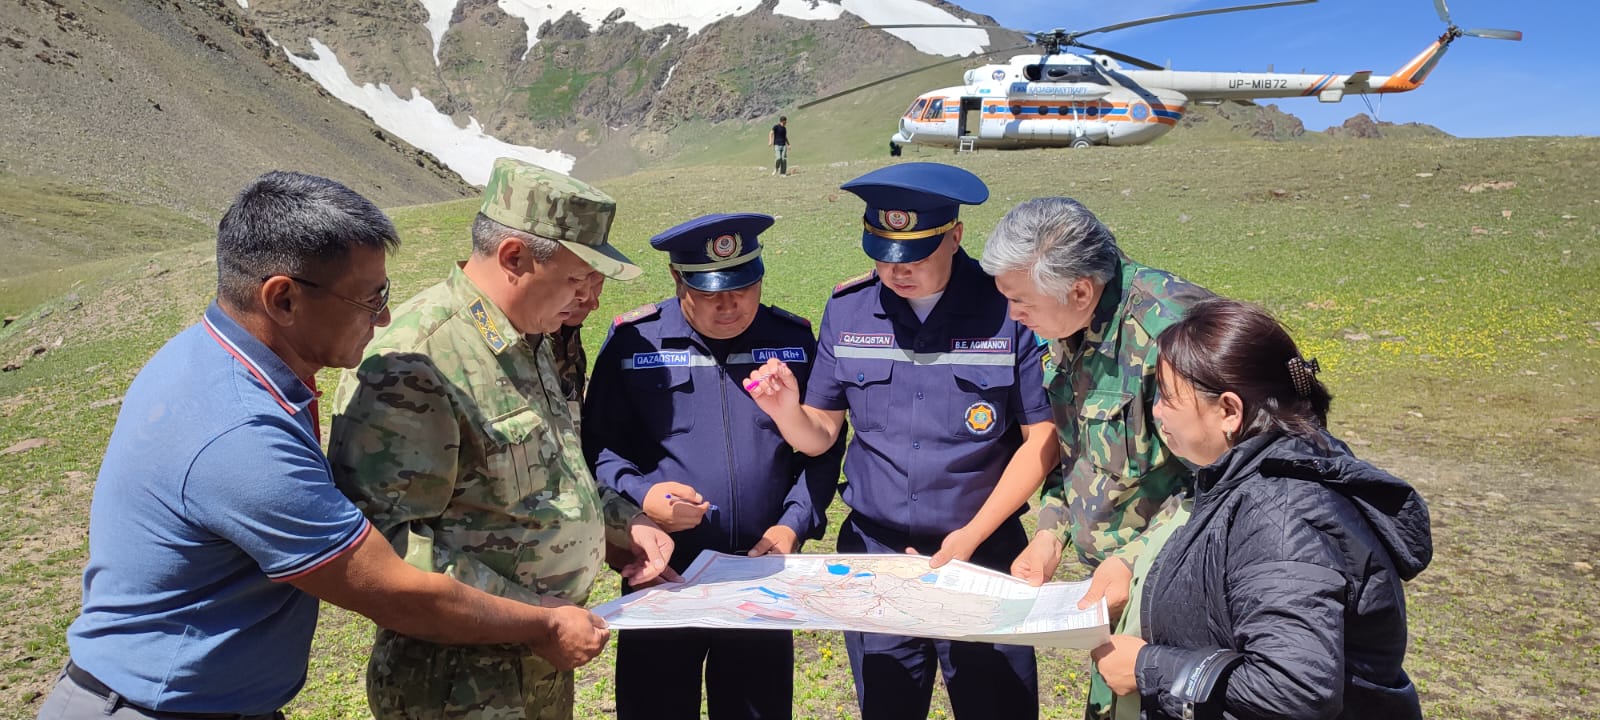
pixel 896 594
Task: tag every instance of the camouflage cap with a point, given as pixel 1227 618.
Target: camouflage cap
pixel 551 205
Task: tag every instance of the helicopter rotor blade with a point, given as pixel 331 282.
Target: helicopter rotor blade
pixel 1494 34
pixel 1123 57
pixel 1444 12
pixel 897 76
pixel 1193 13
pixel 916 25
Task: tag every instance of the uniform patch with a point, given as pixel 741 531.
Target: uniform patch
pixel 897 219
pixel 638 313
pixel 854 282
pixel 485 325
pixel 980 418
pixel 1047 362
pixel 661 358
pixel 866 339
pixel 788 354
pixel 723 247
pixel 981 345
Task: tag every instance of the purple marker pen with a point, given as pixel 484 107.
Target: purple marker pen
pixel 670 498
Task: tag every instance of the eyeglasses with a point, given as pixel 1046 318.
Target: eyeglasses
pixel 383 296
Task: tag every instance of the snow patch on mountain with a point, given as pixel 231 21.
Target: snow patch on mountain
pixel 934 41
pixel 469 151
pixel 695 15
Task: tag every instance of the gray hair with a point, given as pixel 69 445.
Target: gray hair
pixel 488 234
pixel 1057 240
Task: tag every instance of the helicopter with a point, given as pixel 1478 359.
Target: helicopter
pixel 1058 98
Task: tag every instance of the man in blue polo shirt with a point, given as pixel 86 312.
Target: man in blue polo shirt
pixel 216 526
pixel 953 432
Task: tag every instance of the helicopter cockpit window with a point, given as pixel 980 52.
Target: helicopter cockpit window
pixel 916 108
pixel 935 110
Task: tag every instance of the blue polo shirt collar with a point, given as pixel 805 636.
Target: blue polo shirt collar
pixel 259 360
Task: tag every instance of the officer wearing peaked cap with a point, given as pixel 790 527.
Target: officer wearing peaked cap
pixel 455 439
pixel 683 439
pixel 953 432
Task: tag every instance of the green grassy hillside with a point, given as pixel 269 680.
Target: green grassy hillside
pixel 1455 321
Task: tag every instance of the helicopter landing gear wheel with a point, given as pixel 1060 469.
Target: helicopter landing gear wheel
pixel 1081 143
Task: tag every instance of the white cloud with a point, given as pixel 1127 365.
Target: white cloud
pixel 469 151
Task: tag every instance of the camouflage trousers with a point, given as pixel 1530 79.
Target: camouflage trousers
pixel 409 679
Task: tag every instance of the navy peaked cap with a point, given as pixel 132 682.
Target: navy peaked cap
pixel 717 252
pixel 910 206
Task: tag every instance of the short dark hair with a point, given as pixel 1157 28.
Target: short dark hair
pixel 783 118
pixel 1224 345
pixel 284 223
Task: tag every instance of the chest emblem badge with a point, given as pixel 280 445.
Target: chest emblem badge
pixel 980 418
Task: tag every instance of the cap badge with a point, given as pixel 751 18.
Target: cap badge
pixel 723 247
pixel 897 220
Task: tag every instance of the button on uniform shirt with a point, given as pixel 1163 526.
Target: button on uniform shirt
pixel 936 405
pixel 213 493
pixel 455 438
pixel 667 404
pixel 1120 476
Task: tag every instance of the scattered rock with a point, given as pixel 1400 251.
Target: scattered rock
pixel 1424 175
pixel 25 446
pixel 1414 414
pixel 1494 496
pixel 108 402
pixel 1357 336
pixel 9 319
pixel 1494 185
pixel 1279 193
pixel 76 476
pixel 1505 214
pixel 1583 567
pixel 1479 231
pixel 1184 217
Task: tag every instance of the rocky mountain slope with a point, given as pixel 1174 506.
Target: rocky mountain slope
pixel 178 103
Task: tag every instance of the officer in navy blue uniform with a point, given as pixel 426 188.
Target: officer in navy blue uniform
pixel 672 428
pixel 953 430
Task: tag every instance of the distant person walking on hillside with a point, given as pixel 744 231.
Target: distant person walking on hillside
pixel 778 138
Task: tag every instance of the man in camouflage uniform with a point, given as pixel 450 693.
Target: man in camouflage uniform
pixel 1065 278
pixel 455 438
pixel 572 363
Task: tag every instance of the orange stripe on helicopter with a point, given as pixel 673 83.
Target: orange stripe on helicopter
pixel 1401 81
pixel 1317 86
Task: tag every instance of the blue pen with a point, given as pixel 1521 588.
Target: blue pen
pixel 670 498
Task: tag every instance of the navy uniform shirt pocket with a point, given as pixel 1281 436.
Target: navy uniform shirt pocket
pixel 517 453
pixel 866 391
pixel 979 402
pixel 661 398
pixel 1104 432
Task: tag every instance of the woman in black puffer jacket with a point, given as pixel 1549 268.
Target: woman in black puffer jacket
pixel 1283 596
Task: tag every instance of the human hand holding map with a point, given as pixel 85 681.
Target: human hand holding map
pixel 896 594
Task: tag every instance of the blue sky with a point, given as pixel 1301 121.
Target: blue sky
pixel 1544 85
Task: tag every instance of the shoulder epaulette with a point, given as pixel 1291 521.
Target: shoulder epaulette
pixel 636 314
pixel 855 282
pixel 791 317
